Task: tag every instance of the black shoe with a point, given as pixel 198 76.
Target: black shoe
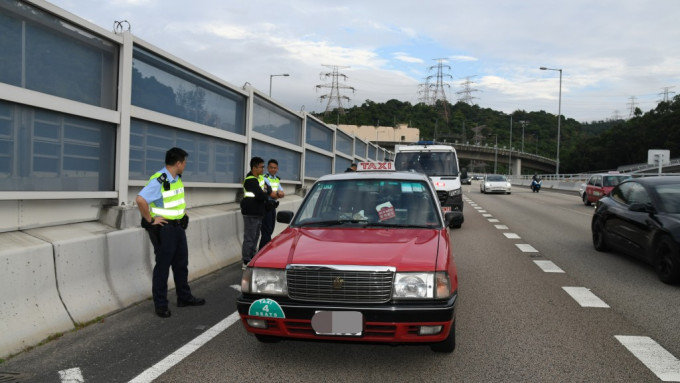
pixel 193 301
pixel 163 312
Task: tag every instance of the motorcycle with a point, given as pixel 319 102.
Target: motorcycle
pixel 536 185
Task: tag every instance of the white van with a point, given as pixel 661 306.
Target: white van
pixel 440 163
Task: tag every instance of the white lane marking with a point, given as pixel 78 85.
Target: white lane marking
pixel 171 360
pixel 526 248
pixel 502 227
pixel 662 363
pixel 478 208
pixel 72 375
pixel 493 220
pixel 487 215
pixel 482 211
pixel 548 267
pixel 585 297
pixel 512 236
pixel 236 287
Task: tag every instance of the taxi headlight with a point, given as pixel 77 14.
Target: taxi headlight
pixel 413 286
pixel 264 281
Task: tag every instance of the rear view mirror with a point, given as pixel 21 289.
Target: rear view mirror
pixel 284 216
pixel 453 218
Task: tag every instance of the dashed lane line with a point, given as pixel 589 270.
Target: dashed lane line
pixel 71 375
pixel 501 227
pixel 585 297
pixel 512 236
pixel 661 362
pixel 548 266
pixel 526 248
pixel 493 220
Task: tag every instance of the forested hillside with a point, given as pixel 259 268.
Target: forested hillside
pixel 584 147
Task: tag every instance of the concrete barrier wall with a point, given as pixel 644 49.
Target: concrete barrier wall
pixel 61 275
pixel 30 308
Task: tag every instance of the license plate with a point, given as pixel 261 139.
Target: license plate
pixel 345 323
pixel 446 208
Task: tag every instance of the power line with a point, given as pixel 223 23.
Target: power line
pixel 334 96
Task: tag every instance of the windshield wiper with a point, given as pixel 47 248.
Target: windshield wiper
pixel 333 222
pixel 399 225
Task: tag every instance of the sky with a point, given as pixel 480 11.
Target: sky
pixel 615 55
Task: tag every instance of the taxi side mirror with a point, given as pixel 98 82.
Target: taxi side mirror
pixel 453 218
pixel 284 216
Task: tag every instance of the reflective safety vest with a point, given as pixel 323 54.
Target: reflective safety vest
pixel 274 182
pixel 247 194
pixel 173 200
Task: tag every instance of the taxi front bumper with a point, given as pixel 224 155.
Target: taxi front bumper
pixel 392 323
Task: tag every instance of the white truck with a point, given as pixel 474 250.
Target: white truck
pixel 440 163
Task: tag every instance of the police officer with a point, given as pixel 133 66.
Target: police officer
pixel 269 220
pixel 255 194
pixel 161 204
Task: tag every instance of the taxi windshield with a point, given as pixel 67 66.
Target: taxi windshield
pixel 367 202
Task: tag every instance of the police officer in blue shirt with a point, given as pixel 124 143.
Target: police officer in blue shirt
pixel 162 205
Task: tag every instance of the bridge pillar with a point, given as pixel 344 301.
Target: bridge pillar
pixel 516 166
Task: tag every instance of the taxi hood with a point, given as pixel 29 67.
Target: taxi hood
pixel 405 249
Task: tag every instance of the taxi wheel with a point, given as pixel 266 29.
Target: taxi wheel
pixel 585 200
pixel 599 236
pixel 448 344
pixel 667 260
pixel 267 338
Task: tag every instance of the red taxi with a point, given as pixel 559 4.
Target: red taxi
pixel 366 258
pixel 599 185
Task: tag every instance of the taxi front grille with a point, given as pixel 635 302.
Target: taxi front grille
pixel 339 284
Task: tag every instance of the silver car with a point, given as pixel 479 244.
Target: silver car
pixel 495 183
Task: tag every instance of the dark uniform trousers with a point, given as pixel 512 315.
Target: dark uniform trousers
pixel 170 247
pixel 268 223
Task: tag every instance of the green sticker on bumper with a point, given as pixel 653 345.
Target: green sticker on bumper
pixel 267 308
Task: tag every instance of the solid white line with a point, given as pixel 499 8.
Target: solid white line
pixel 502 227
pixel 662 363
pixel 548 267
pixel 72 375
pixel 512 236
pixel 585 297
pixel 526 248
pixel 171 360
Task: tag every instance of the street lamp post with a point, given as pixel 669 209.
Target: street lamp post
pixel 495 154
pixel 510 155
pixel 559 120
pixel 270 81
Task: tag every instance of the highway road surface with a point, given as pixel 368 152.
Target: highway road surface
pixel 537 304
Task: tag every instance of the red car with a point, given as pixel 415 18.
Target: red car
pixel 366 258
pixel 599 185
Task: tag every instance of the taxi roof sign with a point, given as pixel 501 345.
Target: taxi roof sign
pixel 384 166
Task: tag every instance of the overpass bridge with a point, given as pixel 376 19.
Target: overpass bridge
pixel 518 160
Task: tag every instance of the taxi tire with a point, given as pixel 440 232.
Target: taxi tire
pixel 448 344
pixel 585 200
pixel 267 338
pixel 667 260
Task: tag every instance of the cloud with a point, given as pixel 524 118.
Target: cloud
pixel 408 59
